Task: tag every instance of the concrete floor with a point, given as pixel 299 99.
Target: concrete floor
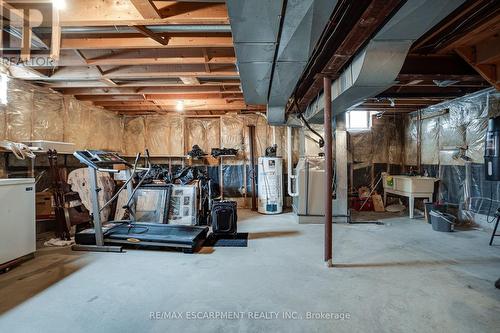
pixel 397 277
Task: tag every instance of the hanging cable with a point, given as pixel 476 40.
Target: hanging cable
pixel 321 141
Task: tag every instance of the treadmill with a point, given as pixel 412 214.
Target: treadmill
pixel 111 236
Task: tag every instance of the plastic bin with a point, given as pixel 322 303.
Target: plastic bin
pixel 442 221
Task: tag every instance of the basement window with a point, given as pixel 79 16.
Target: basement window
pixel 358 120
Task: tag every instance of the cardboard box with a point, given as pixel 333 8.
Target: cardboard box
pixel 44 204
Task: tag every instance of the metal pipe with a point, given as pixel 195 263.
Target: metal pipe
pixel 153 28
pixel 289 153
pixel 327 87
pixel 251 140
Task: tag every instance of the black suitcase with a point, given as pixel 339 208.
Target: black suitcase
pixel 224 218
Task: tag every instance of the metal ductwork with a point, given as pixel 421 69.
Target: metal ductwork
pixel 256 30
pixel 375 68
pixel 255 26
pixel 302 26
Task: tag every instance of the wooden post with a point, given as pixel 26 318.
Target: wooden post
pixel 327 91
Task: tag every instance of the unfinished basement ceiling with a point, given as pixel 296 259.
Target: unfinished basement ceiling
pixel 134 57
pixel 449 60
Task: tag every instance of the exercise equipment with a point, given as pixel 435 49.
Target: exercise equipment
pixel 104 237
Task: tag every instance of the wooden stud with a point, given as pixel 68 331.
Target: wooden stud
pixel 26 39
pixel 55 45
pixel 147 9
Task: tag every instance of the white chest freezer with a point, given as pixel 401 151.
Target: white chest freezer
pixel 17 219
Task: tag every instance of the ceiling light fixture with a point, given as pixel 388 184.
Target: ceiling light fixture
pixel 179 106
pixel 59 4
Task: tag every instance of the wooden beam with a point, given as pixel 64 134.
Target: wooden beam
pixel 163 90
pixel 26 39
pixel 153 107
pixel 160 97
pixel 187 102
pixel 137 72
pixel 126 12
pixel 55 45
pixel 63 84
pixel 148 33
pixel 488 71
pixel 143 42
pixel 81 57
pixel 147 9
pixel 165 56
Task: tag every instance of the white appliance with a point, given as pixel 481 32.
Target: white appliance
pixel 309 205
pixel 270 185
pixel 17 219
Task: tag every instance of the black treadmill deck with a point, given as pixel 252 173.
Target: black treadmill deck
pixel 147 234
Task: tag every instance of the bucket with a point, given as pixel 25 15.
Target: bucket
pixel 442 221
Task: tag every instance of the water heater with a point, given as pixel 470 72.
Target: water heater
pixel 492 150
pixel 270 185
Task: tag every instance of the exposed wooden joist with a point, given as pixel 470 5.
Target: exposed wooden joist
pixel 235 107
pixel 123 12
pixel 157 97
pixel 147 9
pixel 132 57
pixel 144 42
pixel 26 38
pixel 135 72
pixel 187 102
pixel 172 90
pixel 134 83
pixel 490 72
pixel 55 45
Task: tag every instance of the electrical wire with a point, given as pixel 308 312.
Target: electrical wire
pixel 321 142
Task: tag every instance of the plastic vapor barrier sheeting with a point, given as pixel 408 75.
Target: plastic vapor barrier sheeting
pixel 164 135
pixel 19 111
pixel 380 144
pixel 34 113
pixel 430 140
pixel 447 127
pixel 48 120
pixel 410 141
pixel 133 135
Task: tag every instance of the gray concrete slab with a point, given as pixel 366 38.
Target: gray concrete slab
pixel 396 277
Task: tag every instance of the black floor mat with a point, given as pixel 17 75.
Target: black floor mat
pixel 240 240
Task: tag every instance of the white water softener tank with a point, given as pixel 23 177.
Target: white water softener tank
pixel 270 185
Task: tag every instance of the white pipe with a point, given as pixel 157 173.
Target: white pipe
pixel 291 176
pixel 274 134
